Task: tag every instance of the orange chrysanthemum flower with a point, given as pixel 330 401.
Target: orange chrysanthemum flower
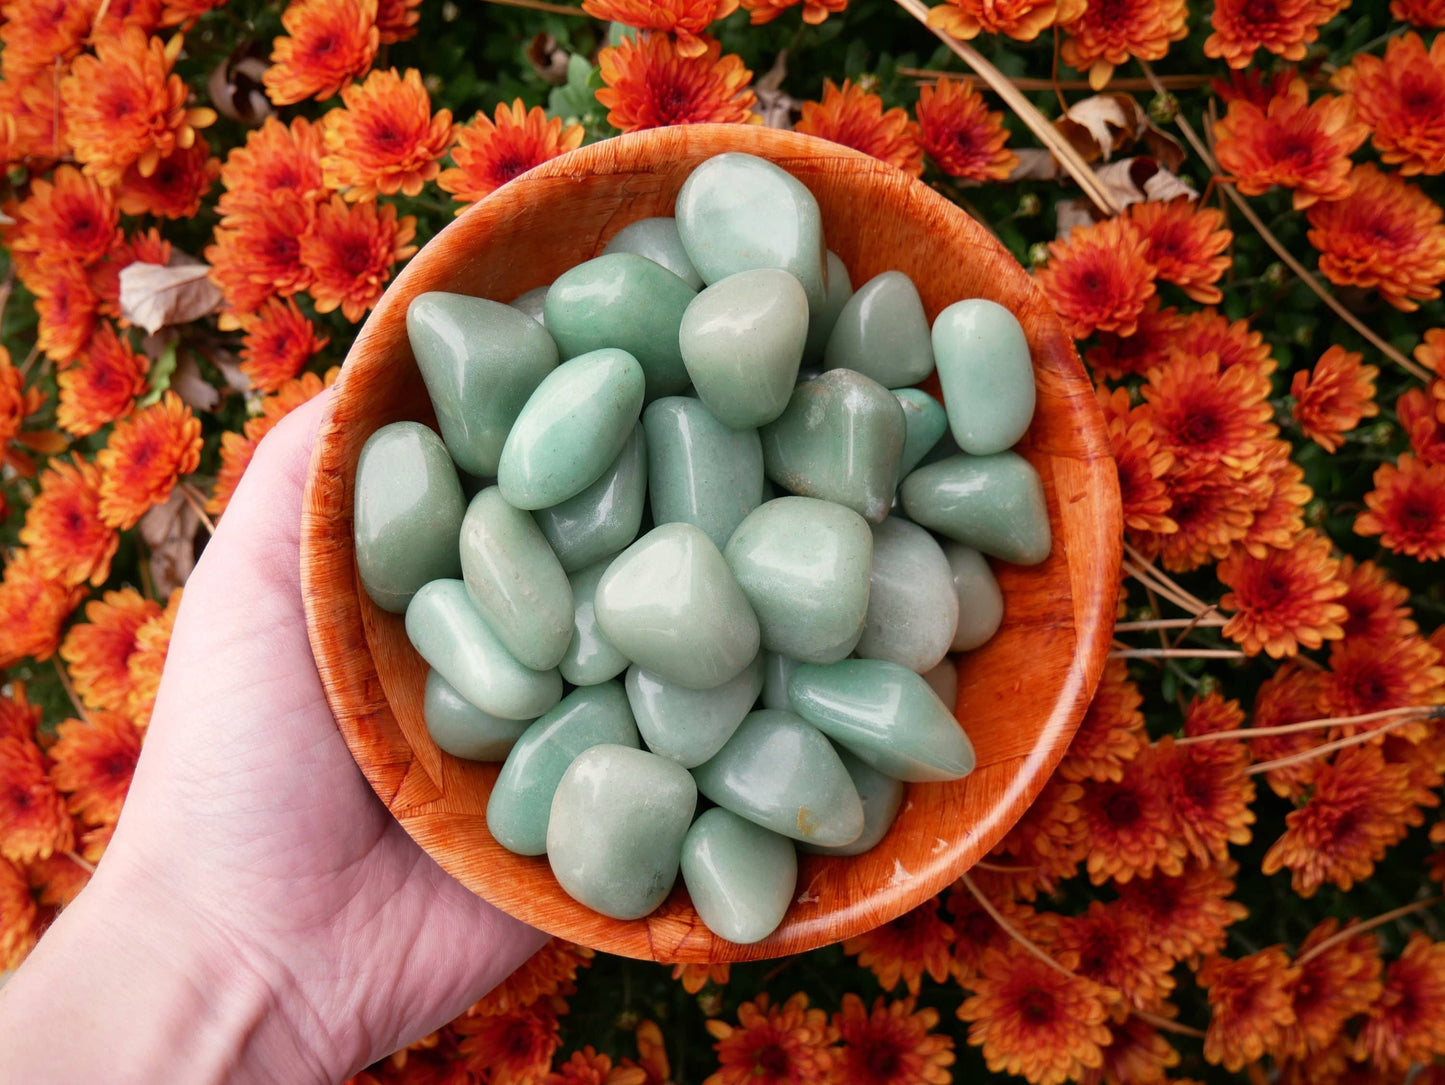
pixel 33 821
pixel 959 132
pixel 1284 600
pixel 63 530
pixel 1402 99
pixel 350 250
pixel 1376 608
pixel 1112 731
pixel 694 977
pixel 152 642
pixel 904 948
pixel 1137 1053
pixel 1293 694
pixel 1047 843
pixel 19 918
pixel 1022 20
pixel 98 650
pixel 855 118
pixel 587 1067
pixel 18 717
pixel 1416 412
pixel 1334 981
pixel 385 140
pixel 279 341
pixel 513 1048
pixel 238 448
pixel 1280 520
pixel 1249 1005
pixel 70 219
pixel 32 608
pixel 1207 415
pixel 1118 356
pixel 143 14
pixel 124 106
pixel 67 308
pixel 1406 1024
pixel 976 931
pixel 1107 36
pixel 1284 27
pixel 277 164
pixel 329 43
pixel 651 85
pixel 1114 947
pixel 815 12
pixel 175 187
pixel 1185 243
pixel 1331 400
pixel 94 761
pixel 891 1046
pixel 1129 825
pixel 773 1045
pixel 144 458
pixel 550 971
pixel 1373 675
pixel 1034 1021
pixel 102 384
pixel 1141 462
pixel 1209 794
pixel 1099 278
pixel 1206 331
pixel 1388 236
pixel 684 19
pixel 1407 508
pixel 1429 14
pixel 257 254
pixel 1188 914
pixel 396 20
pixel 39 33
pixel 488 155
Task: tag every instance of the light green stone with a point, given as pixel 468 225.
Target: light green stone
pixel 776 670
pixel 516 581
pixel 739 875
pixel 925 421
pixel 408 509
pixel 943 680
pixel 605 517
pixel 628 302
pixel 699 471
pixel 840 439
pixel 992 503
pixel 615 835
pixel 885 714
pixel 780 772
pixel 669 603
pixel 912 608
pixel 690 725
pixel 572 429
pixel 445 627
pixel 840 289
pixel 882 332
pixel 480 360
pixel 980 602
pixel 742 339
pixel 461 728
pixel 803 565
pixel 521 801
pixel 658 240
pixel 531 303
pixel 737 212
pixel 591 658
pixel 987 375
pixel 881 797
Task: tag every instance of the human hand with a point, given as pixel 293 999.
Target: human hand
pixel 253 866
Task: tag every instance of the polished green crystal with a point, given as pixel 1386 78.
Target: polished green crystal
pixel 881 797
pixel 912 608
pixel 461 728
pixel 820 326
pixel 699 471
pixel 776 670
pixel 943 680
pixel 992 503
pixel 987 375
pixel 531 303
pixel 690 725
pixel 739 875
pixel 882 332
pixel 980 602
pixel 605 517
pixel 591 658
pixel 925 421
pixel 658 240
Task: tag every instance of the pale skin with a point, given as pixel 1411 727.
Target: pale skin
pixel 259 915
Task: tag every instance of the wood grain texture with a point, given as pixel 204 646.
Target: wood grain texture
pixel 1020 697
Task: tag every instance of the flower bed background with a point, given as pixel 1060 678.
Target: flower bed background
pixel 1234 208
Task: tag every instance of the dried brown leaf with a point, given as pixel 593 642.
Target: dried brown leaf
pixel 548 59
pixel 153 297
pixel 170 531
pixel 236 90
pixel 1035 164
pixel 1071 213
pixel 1133 180
pixel 195 391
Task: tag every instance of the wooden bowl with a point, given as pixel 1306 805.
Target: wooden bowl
pixel 1020 697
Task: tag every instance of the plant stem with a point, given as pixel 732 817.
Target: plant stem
pixel 1177 653
pixel 198 506
pixel 1368 924
pixel 1423 712
pixel 1185 624
pixel 1163 1024
pixel 541 5
pixel 1328 747
pixel 69 688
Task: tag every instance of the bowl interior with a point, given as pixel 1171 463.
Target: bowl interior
pixel 1020 697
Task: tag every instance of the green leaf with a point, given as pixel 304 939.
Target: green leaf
pixel 160 376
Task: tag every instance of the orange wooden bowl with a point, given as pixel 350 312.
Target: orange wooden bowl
pixel 1020 697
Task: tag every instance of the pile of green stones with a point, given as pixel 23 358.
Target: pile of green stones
pixel 734 572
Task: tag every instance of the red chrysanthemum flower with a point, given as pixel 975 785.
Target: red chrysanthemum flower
pixel 1137 1054
pixel 67 308
pixel 1112 731
pixel 891 1046
pixel 94 761
pixel 1253 85
pixel 1129 825
pixel 32 608
pixel 329 43
pixel 1284 600
pixel 18 717
pixel 98 650
pixel 1406 1024
pixel 1249 1006
pixel 63 530
pixel 1142 464
pixel 1402 99
pixel 1332 984
pixel 1371 675
pixel 279 341
pixel 152 642
pixel 959 132
pixel 488 155
pixel 694 977
pixel 144 458
pixel 19 918
pixel 40 33
pixel 1185 243
pixel 855 118
pixel 1416 411
pixel 1429 14
pixel 33 821
pixel 238 448
pixel 1106 36
pixel 1208 415
pixel 102 384
pixel 1407 508
pixel 905 948
pixel 1114 947
pixel 1099 278
pixel 1284 27
pixel 1279 521
pixel 257 254
pixel 773 1045
pixel 1118 356
pixel 1387 236
pixel 684 19
pixel 1293 694
pixel 385 140
pixel 70 219
pixel 1049 841
pixel 549 971
pixel 175 187
pixel 1376 608
pixel 396 20
pixel 1022 20
pixel 350 250
pixel 513 1048
pixel 1209 794
pixel 277 164
pixel 1206 331
pixel 814 11
pixel 650 85
pixel 1188 915
pixel 1331 399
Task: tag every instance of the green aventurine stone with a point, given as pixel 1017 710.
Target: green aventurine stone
pixel 531 303
pixel 572 429
pixel 887 715
pixel 591 657
pixel 516 581
pixel 658 240
pixel 840 289
pixel 736 212
pixel 882 333
pixel 776 671
pixel 881 797
pixel 739 875
pixel 603 518
pixel 840 439
pixel 778 771
pixel 943 680
pixel 669 603
pixel 521 801
pixel 980 602
pixel 992 503
pixel 445 627
pixel 699 471
pixel 461 728
pixel 479 360
pixel 742 340
pixel 803 565
pixel 408 510
pixel 912 608
pixel 925 421
pixel 625 301
pixel 987 375
pixel 690 725
pixel 617 825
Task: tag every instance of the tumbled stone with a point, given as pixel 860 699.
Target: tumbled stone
pixel 776 670
pixel 925 421
pixel 912 608
pixel 943 680
pixel 820 326
pixel 699 471
pixel 987 375
pixel 407 511
pixel 520 805
pixel 531 303
pixel 980 602
pixel 590 658
pixel 658 240
pixel 881 797
pixel 461 728
pixel 739 875
pixel 882 332
pixel 885 714
pixel 992 503
pixel 780 772
pixel 690 725
pixel 480 361
pixel 605 517
pixel 571 429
